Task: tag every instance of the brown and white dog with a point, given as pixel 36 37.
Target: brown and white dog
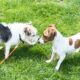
pixel 61 45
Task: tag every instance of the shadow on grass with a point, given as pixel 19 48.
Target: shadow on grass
pixel 25 52
pixel 28 52
pixel 1 54
pixel 35 53
pixel 70 62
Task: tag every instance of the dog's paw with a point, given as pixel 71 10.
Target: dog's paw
pixel 56 68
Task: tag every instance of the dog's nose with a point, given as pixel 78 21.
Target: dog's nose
pixel 38 37
pixel 39 40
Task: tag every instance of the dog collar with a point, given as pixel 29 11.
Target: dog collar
pixel 20 38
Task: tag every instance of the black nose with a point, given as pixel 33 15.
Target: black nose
pixel 38 40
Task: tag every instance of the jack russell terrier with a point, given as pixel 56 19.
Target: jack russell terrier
pixel 13 33
pixel 60 44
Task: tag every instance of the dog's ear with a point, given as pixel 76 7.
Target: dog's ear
pixel 52 26
pixel 77 43
pixel 27 31
pixel 29 23
pixel 53 34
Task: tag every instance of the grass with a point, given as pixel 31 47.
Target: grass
pixel 28 63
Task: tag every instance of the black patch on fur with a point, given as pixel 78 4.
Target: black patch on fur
pixel 5 33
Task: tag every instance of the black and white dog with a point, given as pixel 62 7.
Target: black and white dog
pixel 13 33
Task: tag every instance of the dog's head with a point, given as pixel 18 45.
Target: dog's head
pixel 48 34
pixel 30 34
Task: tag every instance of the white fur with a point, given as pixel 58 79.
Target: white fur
pixel 60 45
pixel 16 30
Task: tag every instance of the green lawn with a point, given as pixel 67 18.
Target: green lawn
pixel 28 63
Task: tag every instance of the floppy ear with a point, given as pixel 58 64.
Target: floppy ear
pixel 29 23
pixel 52 26
pixel 52 36
pixel 27 31
pixel 45 33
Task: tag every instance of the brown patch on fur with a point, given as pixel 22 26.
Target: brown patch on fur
pixel 27 31
pixel 70 41
pixel 49 33
pixel 77 43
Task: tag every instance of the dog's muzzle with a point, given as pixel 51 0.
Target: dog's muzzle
pixel 40 41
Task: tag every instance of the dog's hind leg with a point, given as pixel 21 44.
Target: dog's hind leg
pixel 62 57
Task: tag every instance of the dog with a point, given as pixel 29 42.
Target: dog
pixel 14 33
pixel 60 44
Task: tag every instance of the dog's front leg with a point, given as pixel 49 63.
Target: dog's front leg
pixel 60 61
pixel 52 56
pixel 7 49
